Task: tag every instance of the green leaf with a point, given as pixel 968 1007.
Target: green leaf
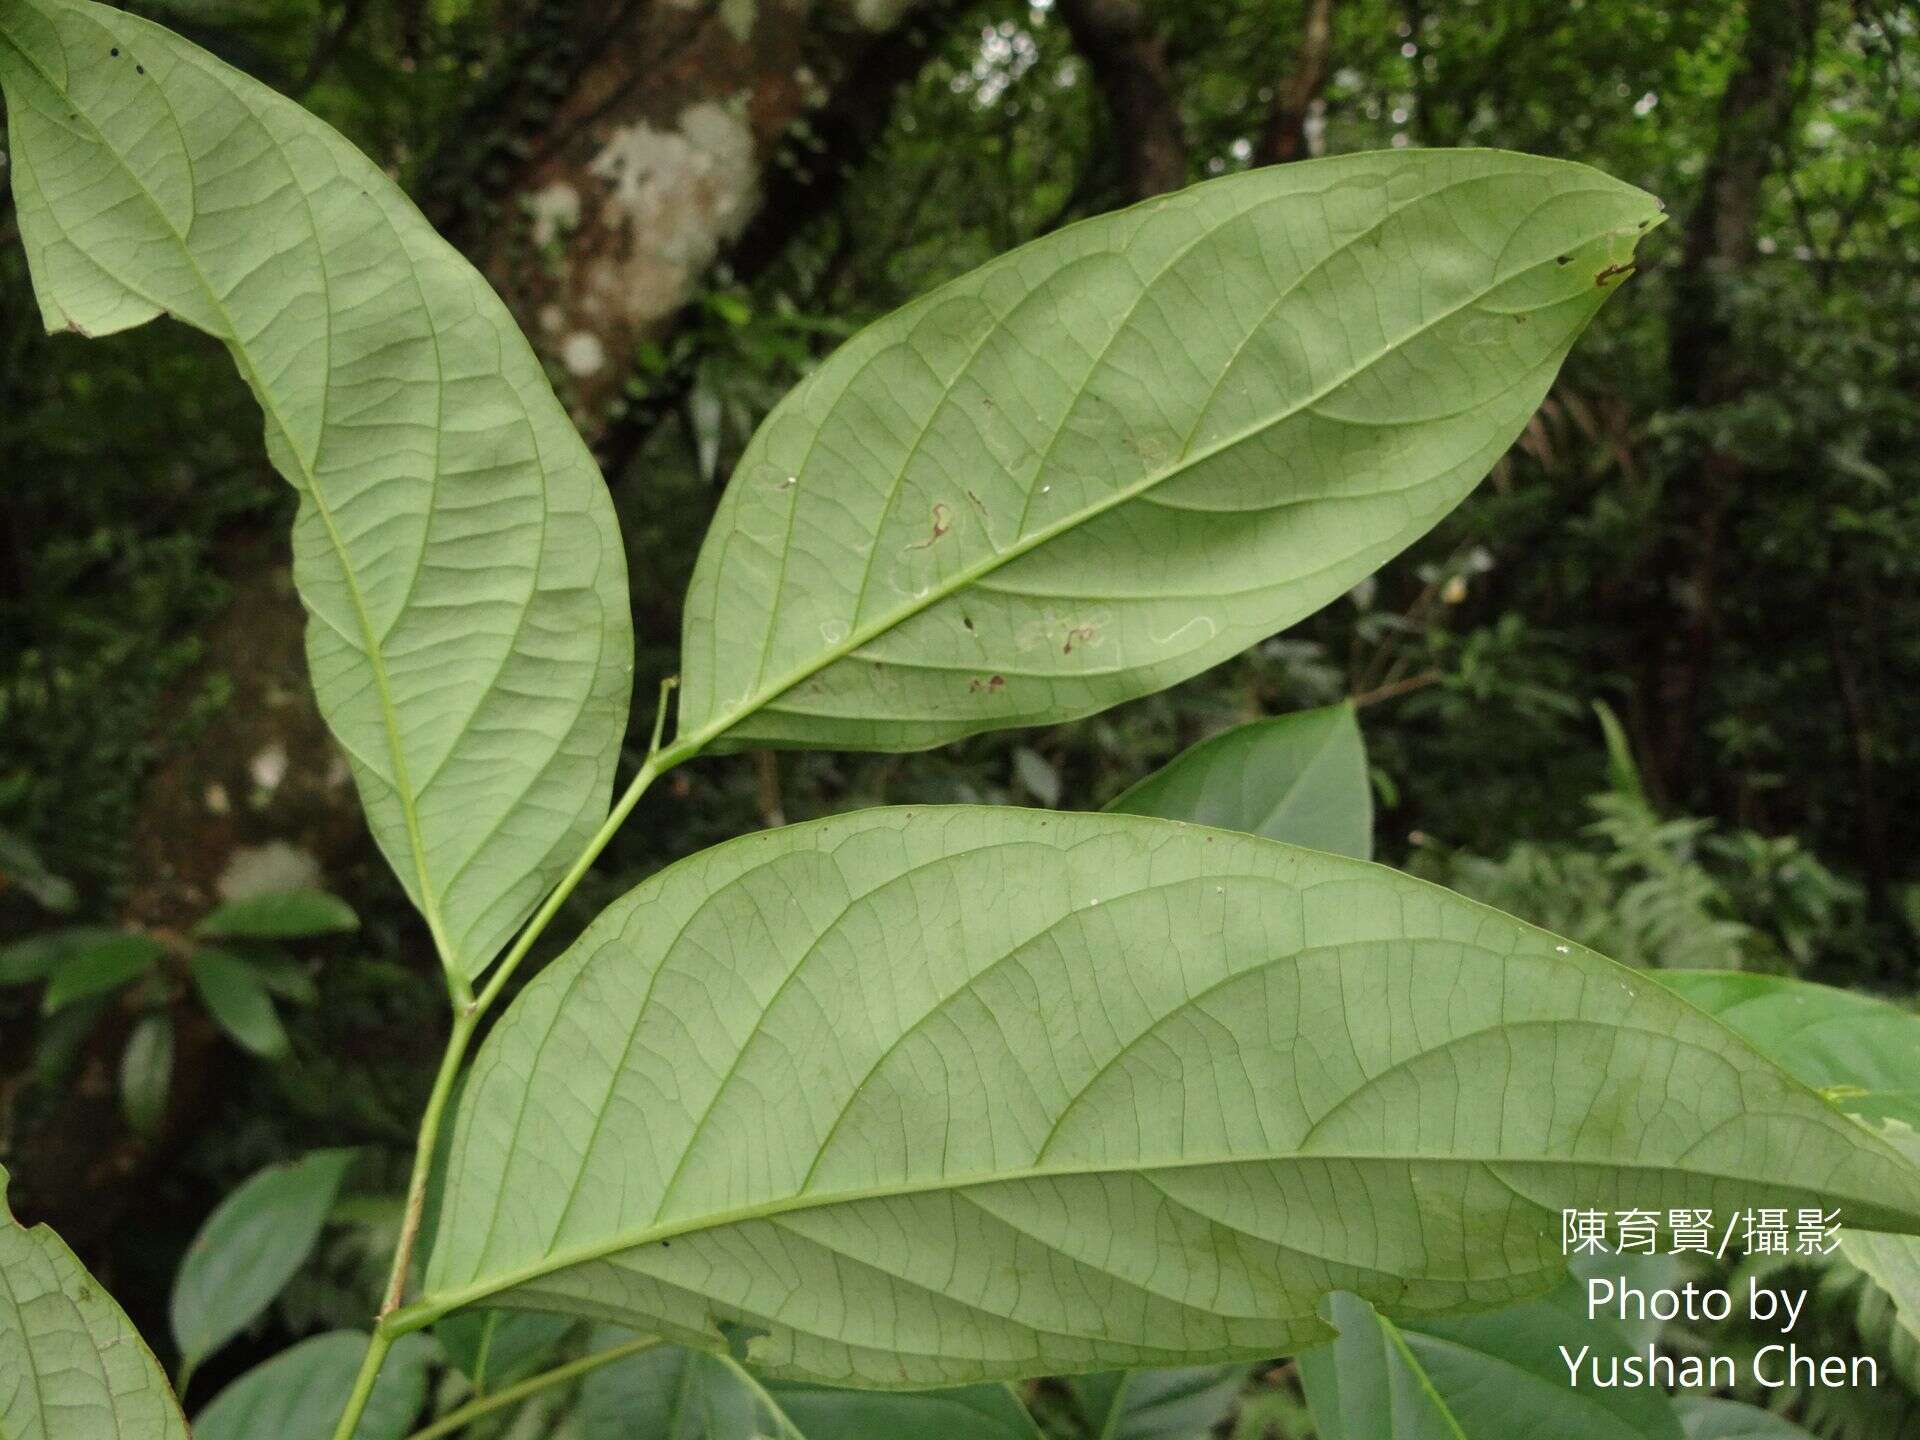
pixel 29 961
pixel 237 999
pixel 290 915
pixel 1120 454
pixel 455 546
pixel 1301 779
pixel 249 1248
pixel 115 959
pixel 72 1367
pixel 842 1082
pixel 493 1348
pixel 1865 1053
pixel 283 975
pixel 146 1072
pixel 1705 1418
pixel 21 865
pixel 1157 1404
pixel 674 1394
pixel 1501 1376
pixel 300 1393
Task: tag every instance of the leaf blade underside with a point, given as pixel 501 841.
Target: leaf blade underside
pixel 936 1096
pixel 1114 457
pixel 456 550
pixel 72 1367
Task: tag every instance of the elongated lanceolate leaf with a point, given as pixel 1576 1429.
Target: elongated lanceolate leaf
pixel 930 1096
pixel 1499 1376
pixel 300 1393
pixel 1118 455
pixel 675 1394
pixel 72 1367
pixel 250 1247
pixel 1301 779
pixel 1184 1404
pixel 455 547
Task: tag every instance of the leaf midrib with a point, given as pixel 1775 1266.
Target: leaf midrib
pixel 725 720
pixel 431 1307
pixel 403 788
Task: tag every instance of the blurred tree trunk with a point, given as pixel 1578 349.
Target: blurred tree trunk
pixel 1286 135
pixel 626 148
pixel 1718 244
pixel 1128 58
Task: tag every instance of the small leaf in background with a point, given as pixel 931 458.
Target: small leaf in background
pixel 20 865
pixel 1704 1418
pixel 670 1393
pixel 146 1072
pixel 72 1367
pixel 237 999
pixel 29 961
pixel 1496 1376
pixel 300 1393
pixel 249 1249
pixel 1862 1052
pixel 497 1347
pixel 289 915
pixel 1300 779
pixel 1037 776
pixel 283 975
pixel 1157 1404
pixel 97 968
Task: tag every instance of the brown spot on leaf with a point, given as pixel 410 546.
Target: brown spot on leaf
pixel 942 523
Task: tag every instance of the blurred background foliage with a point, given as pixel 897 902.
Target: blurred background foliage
pixel 1711 529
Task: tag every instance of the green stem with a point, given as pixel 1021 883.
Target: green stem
pixel 465 1020
pixel 533 1385
pixel 376 1356
pixel 468 1010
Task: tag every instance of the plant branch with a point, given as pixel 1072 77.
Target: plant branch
pixel 478 1409
pixel 377 1346
pixel 464 1021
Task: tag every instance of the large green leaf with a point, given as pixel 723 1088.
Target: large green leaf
pixel 1298 778
pixel 675 1394
pixel 1184 1404
pixel 938 1095
pixel 300 1393
pixel 455 547
pixel 72 1367
pixel 1126 451
pixel 249 1248
pixel 1481 1377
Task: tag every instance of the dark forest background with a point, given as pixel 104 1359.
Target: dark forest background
pixel 1712 527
